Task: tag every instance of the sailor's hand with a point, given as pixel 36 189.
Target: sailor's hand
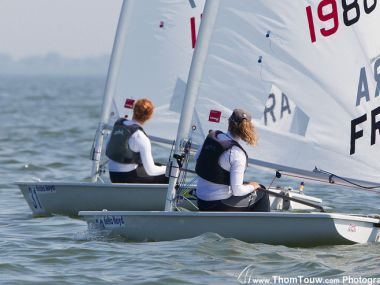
pixel 254 184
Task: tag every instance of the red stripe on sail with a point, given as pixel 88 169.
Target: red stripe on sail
pixel 193 32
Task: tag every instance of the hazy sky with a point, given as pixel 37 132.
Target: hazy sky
pixel 74 28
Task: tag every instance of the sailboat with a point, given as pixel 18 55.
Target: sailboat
pixel 326 59
pixel 151 58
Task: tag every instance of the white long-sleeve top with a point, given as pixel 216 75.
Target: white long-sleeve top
pixel 232 160
pixel 138 142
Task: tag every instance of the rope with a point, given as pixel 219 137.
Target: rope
pixel 336 183
pixel 331 175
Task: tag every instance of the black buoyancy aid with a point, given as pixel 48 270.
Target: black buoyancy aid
pixel 118 146
pixel 207 165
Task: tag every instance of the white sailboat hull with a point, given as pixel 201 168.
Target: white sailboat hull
pixel 52 198
pixel 48 198
pixel 291 229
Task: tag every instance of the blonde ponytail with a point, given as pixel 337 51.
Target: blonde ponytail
pixel 244 130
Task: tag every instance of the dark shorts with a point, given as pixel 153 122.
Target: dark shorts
pixel 137 176
pixel 247 203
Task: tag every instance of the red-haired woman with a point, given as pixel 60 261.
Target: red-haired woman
pixel 129 149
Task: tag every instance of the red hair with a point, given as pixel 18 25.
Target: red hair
pixel 143 110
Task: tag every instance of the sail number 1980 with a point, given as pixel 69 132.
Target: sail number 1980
pixel 327 11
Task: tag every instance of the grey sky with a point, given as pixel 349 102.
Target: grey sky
pixel 73 28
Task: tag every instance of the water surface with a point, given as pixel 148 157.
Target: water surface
pixel 46 132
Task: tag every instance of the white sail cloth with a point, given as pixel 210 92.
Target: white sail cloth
pixel 159 42
pixel 324 57
pixel 151 58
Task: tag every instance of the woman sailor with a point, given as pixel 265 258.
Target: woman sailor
pixel 221 163
pixel 129 149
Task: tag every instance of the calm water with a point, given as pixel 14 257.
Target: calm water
pixel 46 131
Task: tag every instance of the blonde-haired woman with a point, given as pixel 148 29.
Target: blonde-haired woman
pixel 221 163
pixel 129 149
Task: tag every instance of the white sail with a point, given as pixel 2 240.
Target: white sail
pixel 324 56
pixel 159 43
pixel 151 58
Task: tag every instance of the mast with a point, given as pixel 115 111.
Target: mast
pixel 114 67
pixel 193 83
